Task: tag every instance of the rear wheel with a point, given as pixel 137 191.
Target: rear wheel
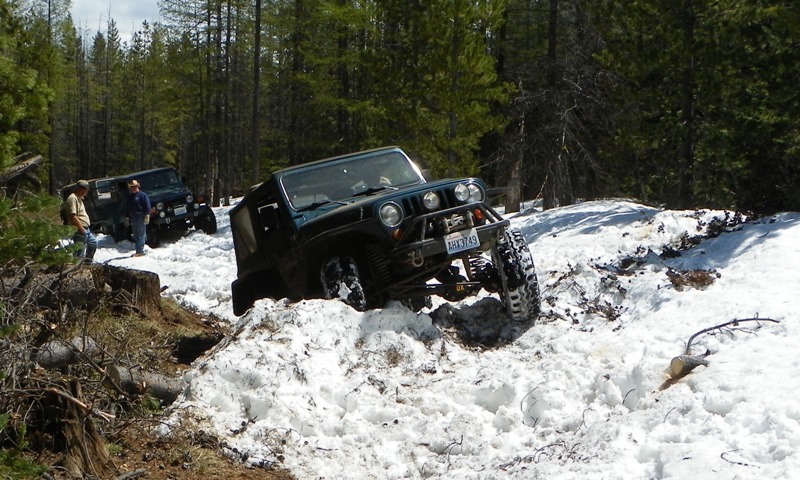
pixel 119 232
pixel 520 288
pixel 341 280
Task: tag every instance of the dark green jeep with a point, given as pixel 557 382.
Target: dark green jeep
pixel 368 227
pixel 174 205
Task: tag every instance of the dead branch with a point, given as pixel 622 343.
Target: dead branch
pixel 682 365
pixel 131 475
pixel 722 456
pixel 736 322
pixel 86 408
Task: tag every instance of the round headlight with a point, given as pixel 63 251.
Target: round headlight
pixel 390 214
pixel 189 199
pixel 431 201
pixel 461 192
pixel 160 206
pixel 475 193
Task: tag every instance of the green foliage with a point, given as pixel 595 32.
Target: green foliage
pixel 434 82
pixel 689 102
pixel 26 93
pixel 29 232
pixel 705 100
pixel 13 465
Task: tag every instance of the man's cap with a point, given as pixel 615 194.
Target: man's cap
pixel 83 184
pixel 133 183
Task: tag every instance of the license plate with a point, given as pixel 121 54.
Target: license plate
pixel 180 210
pixel 460 241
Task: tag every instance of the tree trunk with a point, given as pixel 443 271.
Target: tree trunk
pixel 59 354
pixel 254 140
pixel 686 158
pixel 515 166
pixel 551 186
pixel 23 170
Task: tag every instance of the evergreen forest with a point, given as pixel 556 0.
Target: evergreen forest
pixel 681 103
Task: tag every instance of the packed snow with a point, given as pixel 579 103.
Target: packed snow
pixel 461 392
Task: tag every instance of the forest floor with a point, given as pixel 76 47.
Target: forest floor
pixel 180 456
pixel 165 341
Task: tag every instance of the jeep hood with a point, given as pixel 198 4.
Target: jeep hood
pixel 165 194
pixel 334 215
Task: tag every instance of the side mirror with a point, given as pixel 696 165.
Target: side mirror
pixel 268 216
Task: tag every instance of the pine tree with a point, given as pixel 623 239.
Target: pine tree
pixel 434 79
pixel 707 108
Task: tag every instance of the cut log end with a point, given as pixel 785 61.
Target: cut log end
pixel 681 365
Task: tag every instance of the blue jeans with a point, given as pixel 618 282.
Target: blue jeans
pixel 139 232
pixel 89 242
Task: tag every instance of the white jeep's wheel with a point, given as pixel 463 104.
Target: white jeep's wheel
pixel 514 263
pixel 340 279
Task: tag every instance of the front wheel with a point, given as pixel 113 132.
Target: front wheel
pixel 153 235
pixel 341 280
pixel 207 222
pixel 520 288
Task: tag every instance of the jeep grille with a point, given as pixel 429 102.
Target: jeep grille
pixel 412 206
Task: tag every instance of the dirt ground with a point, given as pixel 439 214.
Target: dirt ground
pixel 188 456
pixel 142 454
pixel 166 342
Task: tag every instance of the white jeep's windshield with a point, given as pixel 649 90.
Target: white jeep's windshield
pixel 342 180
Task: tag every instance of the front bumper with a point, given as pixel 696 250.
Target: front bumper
pixel 425 236
pixel 176 221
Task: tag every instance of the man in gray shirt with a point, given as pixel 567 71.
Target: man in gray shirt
pixel 77 217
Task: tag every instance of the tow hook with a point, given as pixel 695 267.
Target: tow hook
pixel 416 257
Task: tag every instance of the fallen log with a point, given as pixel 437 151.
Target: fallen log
pixel 681 365
pixel 59 354
pixel 21 171
pixel 136 383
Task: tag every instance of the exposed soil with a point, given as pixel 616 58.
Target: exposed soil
pixel 188 456
pixel 161 338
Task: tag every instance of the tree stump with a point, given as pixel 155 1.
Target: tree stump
pixel 144 287
pixel 86 454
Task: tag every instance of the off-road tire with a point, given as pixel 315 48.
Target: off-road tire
pixel 341 280
pixel 520 288
pixel 416 304
pixel 153 235
pixel 120 232
pixel 207 222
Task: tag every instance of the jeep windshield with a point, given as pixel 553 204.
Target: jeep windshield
pixel 340 180
pixel 159 180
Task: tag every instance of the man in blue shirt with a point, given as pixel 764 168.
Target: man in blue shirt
pixel 139 213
